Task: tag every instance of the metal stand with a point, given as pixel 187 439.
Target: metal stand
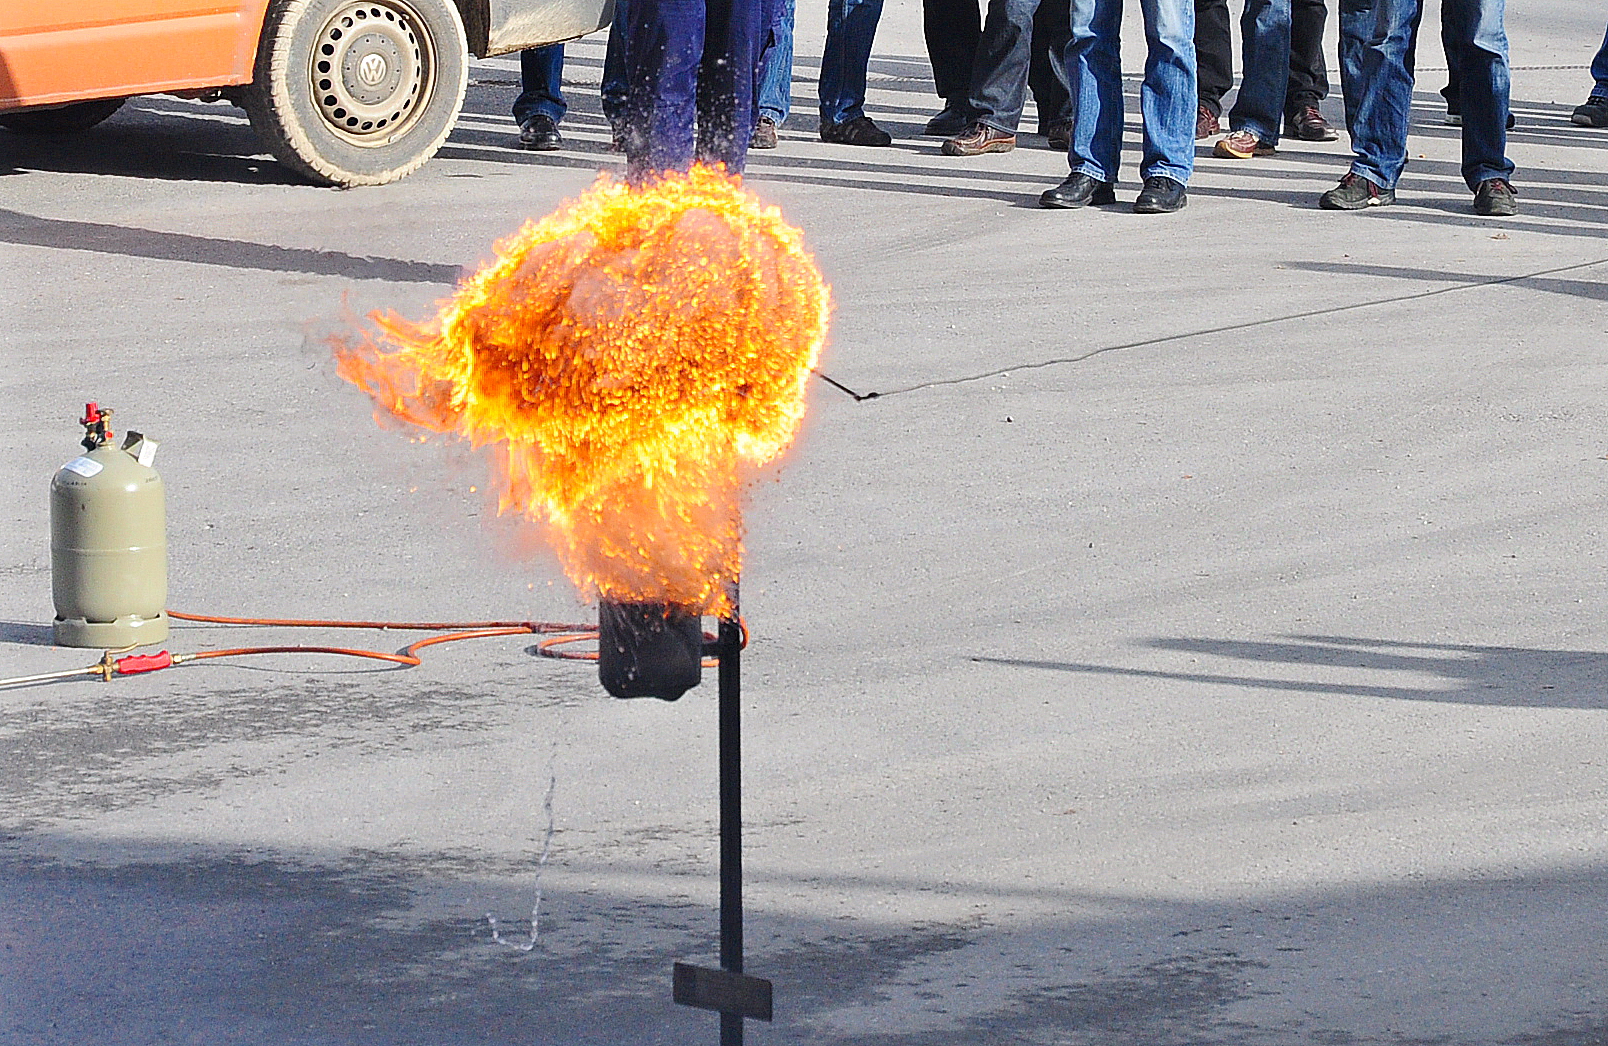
pixel 727 990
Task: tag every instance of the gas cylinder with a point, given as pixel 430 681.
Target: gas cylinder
pixel 108 542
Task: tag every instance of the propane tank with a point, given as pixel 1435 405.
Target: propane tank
pixel 108 542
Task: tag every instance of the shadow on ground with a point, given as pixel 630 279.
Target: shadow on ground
pixel 1457 673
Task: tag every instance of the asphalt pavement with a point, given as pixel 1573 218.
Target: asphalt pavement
pixel 1198 639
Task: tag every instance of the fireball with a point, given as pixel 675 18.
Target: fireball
pixel 630 362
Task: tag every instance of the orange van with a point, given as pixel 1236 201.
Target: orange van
pixel 346 92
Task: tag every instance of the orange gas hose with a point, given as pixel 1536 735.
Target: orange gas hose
pixel 409 657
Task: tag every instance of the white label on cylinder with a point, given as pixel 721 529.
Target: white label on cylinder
pixel 85 467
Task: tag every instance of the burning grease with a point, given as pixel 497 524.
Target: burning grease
pixel 629 361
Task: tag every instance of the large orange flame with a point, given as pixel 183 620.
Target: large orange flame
pixel 630 359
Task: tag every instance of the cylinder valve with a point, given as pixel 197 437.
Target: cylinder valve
pixel 108 541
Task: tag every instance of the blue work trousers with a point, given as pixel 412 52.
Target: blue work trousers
pixel 1166 98
pixel 691 73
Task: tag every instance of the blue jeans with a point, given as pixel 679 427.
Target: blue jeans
pixel 1377 41
pixel 776 73
pixel 851 26
pixel 1166 99
pixel 1265 37
pixel 541 80
pixel 1599 69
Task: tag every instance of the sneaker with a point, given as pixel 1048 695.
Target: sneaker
pixel 980 138
pixel 540 133
pixel 1059 136
pixel 858 131
pixel 1079 190
pixel 1593 114
pixel 1355 193
pixel 1241 145
pixel 764 136
pixel 1161 195
pixel 1307 124
pixel 1495 198
pixel 955 118
pixel 1206 123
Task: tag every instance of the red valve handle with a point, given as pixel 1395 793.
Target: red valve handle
pixel 143 663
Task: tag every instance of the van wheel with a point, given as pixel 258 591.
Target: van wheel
pixel 60 119
pixel 357 92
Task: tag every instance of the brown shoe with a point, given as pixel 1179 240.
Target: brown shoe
pixel 1206 123
pixel 1241 145
pixel 979 138
pixel 1307 124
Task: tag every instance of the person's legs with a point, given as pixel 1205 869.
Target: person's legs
pixel 999 74
pixel 735 32
pixel 1309 77
pixel 1214 53
pixel 1453 91
pixel 776 77
pixel 1474 30
pixel 1167 97
pixel 664 43
pixel 541 78
pixel 951 28
pixel 1599 69
pixel 1265 37
pixel 1384 92
pixel 1046 68
pixel 851 26
pixel 1594 113
pixel 1094 71
pixel 614 87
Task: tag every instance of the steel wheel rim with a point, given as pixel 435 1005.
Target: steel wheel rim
pixel 372 65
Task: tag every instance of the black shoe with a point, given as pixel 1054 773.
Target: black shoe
pixel 1059 136
pixel 1079 190
pixel 1355 193
pixel 956 117
pixel 1161 195
pixel 540 133
pixel 858 131
pixel 764 136
pixel 1495 199
pixel 1593 114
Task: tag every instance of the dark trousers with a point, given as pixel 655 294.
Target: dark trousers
pixel 967 69
pixel 541 78
pixel 1021 47
pixel 692 75
pixel 952 28
pixel 1214 53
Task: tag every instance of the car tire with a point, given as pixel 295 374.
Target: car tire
pixel 60 119
pixel 357 92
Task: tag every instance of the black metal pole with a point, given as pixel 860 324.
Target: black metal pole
pixel 731 813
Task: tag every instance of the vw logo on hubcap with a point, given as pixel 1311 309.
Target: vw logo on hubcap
pixel 372 69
